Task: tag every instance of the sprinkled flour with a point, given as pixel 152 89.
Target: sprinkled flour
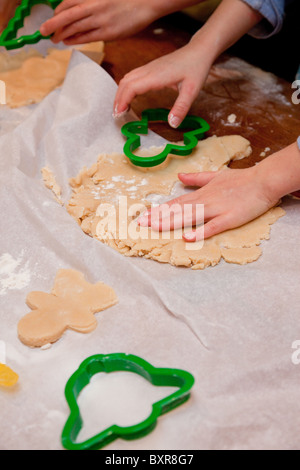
pixel 118 179
pixel 231 118
pixel 12 276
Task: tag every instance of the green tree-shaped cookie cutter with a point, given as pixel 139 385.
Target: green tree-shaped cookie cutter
pixel 8 38
pixel 115 363
pixel 191 138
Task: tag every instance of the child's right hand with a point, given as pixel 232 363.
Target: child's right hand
pixel 184 70
pixel 82 21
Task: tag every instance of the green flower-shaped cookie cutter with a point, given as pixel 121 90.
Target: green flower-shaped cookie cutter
pixel 115 363
pixel 191 138
pixel 8 38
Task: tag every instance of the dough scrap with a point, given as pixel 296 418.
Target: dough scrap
pixel 8 377
pixel 30 77
pixel 71 305
pixel 50 183
pixel 114 176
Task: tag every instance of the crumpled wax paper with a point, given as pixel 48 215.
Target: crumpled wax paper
pixel 231 326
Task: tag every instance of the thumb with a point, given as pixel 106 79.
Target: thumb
pixel 187 94
pixel 197 179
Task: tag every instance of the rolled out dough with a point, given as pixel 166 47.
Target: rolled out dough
pixel 114 176
pixel 71 305
pixel 30 77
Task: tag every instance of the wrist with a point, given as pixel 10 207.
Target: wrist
pixel 280 173
pixel 222 29
pixel 206 40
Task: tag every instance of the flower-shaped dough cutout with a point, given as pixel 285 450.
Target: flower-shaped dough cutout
pixel 71 305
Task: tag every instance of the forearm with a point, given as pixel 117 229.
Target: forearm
pixel 231 20
pixel 163 8
pixel 281 172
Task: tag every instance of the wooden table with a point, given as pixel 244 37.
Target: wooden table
pixel 265 113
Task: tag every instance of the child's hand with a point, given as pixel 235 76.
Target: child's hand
pixel 82 21
pixel 184 70
pixel 231 198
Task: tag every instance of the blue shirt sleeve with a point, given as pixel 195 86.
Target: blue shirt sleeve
pixel 273 13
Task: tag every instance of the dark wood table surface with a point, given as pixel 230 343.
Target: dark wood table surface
pixel 263 106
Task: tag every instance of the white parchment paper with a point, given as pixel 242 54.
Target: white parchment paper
pixel 231 326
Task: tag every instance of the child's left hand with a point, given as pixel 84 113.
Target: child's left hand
pixel 231 198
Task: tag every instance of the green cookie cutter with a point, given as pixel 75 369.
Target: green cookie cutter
pixel 115 363
pixel 191 138
pixel 8 38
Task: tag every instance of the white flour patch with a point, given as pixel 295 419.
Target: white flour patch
pixel 117 179
pixel 231 118
pixel 13 276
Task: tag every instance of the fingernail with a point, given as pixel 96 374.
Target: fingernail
pixel 174 121
pixel 143 221
pixel 117 114
pixel 189 236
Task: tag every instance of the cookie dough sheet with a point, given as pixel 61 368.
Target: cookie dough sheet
pixel 231 326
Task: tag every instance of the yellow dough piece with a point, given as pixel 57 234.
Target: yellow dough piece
pixel 30 77
pixel 71 305
pixel 8 378
pixel 113 176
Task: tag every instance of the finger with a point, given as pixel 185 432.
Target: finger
pixel 65 18
pixel 167 218
pixel 160 213
pixel 81 26
pixel 188 92
pixel 130 88
pixel 197 179
pixel 67 4
pixel 213 227
pixel 89 36
pixel 189 216
pixel 155 212
pixel 173 216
